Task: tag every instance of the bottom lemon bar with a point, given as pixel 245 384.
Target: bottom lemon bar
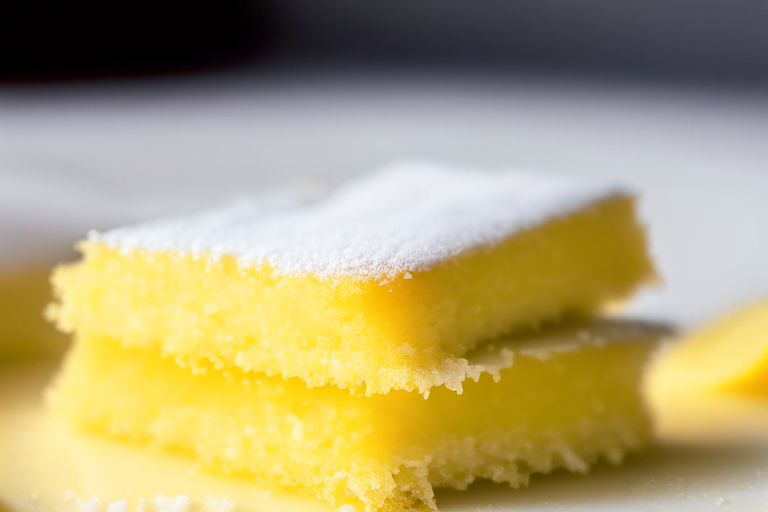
pixel 564 398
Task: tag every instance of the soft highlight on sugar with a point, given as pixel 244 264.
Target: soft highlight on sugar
pixel 404 218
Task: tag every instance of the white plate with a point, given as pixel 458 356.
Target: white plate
pixel 76 159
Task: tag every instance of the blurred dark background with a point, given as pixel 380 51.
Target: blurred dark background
pixel 701 41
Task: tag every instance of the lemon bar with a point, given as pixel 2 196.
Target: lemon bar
pixel 560 399
pixel 383 284
pixel 711 385
pixel 730 356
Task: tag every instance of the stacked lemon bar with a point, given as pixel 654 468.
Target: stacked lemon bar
pixel 421 327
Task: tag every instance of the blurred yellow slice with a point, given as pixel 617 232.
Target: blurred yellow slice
pixel 728 356
pixel 24 294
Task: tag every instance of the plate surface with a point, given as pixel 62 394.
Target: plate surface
pixel 82 158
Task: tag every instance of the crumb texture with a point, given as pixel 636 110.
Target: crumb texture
pixel 554 401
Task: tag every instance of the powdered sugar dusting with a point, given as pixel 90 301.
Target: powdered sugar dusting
pixel 404 218
pixel 160 503
pixel 179 503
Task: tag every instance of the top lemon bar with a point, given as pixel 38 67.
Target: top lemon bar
pixel 383 284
